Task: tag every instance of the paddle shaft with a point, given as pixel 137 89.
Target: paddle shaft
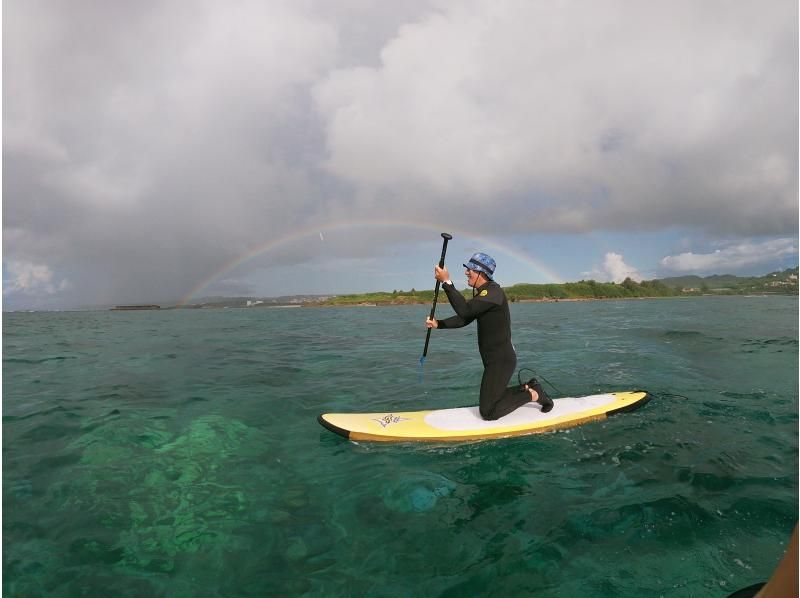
pixel 446 238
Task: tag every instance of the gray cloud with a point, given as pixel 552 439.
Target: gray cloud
pixel 146 144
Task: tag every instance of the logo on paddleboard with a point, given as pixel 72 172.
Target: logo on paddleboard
pixel 387 420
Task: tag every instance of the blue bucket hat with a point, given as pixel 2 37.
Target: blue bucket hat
pixel 480 262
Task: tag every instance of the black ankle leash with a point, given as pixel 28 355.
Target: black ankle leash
pixel 538 377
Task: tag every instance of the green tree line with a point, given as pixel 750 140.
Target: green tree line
pixel 584 289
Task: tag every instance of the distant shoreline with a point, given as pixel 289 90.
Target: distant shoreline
pixel 776 283
pixel 543 300
pixel 417 303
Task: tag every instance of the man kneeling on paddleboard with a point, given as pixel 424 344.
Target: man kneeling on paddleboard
pixel 489 306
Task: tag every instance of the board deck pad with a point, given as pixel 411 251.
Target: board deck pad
pixel 465 423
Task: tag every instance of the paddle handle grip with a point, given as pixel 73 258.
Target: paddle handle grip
pixel 446 238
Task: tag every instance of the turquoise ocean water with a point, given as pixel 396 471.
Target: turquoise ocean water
pixel 177 453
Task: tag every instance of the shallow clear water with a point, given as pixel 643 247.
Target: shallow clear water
pixel 177 453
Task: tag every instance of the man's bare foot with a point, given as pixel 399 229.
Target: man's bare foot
pixel 539 395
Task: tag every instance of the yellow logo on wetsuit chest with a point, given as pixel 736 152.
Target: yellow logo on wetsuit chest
pixel 483 293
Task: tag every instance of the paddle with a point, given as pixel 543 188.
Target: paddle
pixel 446 238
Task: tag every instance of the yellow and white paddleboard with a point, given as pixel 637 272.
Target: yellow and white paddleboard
pixel 465 423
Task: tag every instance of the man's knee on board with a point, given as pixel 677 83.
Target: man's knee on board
pixel 488 413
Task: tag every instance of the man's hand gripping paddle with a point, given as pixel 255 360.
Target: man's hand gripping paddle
pixel 446 238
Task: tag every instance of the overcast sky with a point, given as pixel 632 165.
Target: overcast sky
pixel 156 149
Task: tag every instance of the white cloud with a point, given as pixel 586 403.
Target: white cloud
pixel 573 117
pixel 30 278
pixel 614 269
pixel 733 257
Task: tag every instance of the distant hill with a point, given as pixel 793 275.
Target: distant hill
pixel 717 280
pixel 783 282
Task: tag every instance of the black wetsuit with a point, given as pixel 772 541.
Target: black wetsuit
pixel 490 307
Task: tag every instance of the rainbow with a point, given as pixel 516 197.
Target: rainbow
pixel 294 236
